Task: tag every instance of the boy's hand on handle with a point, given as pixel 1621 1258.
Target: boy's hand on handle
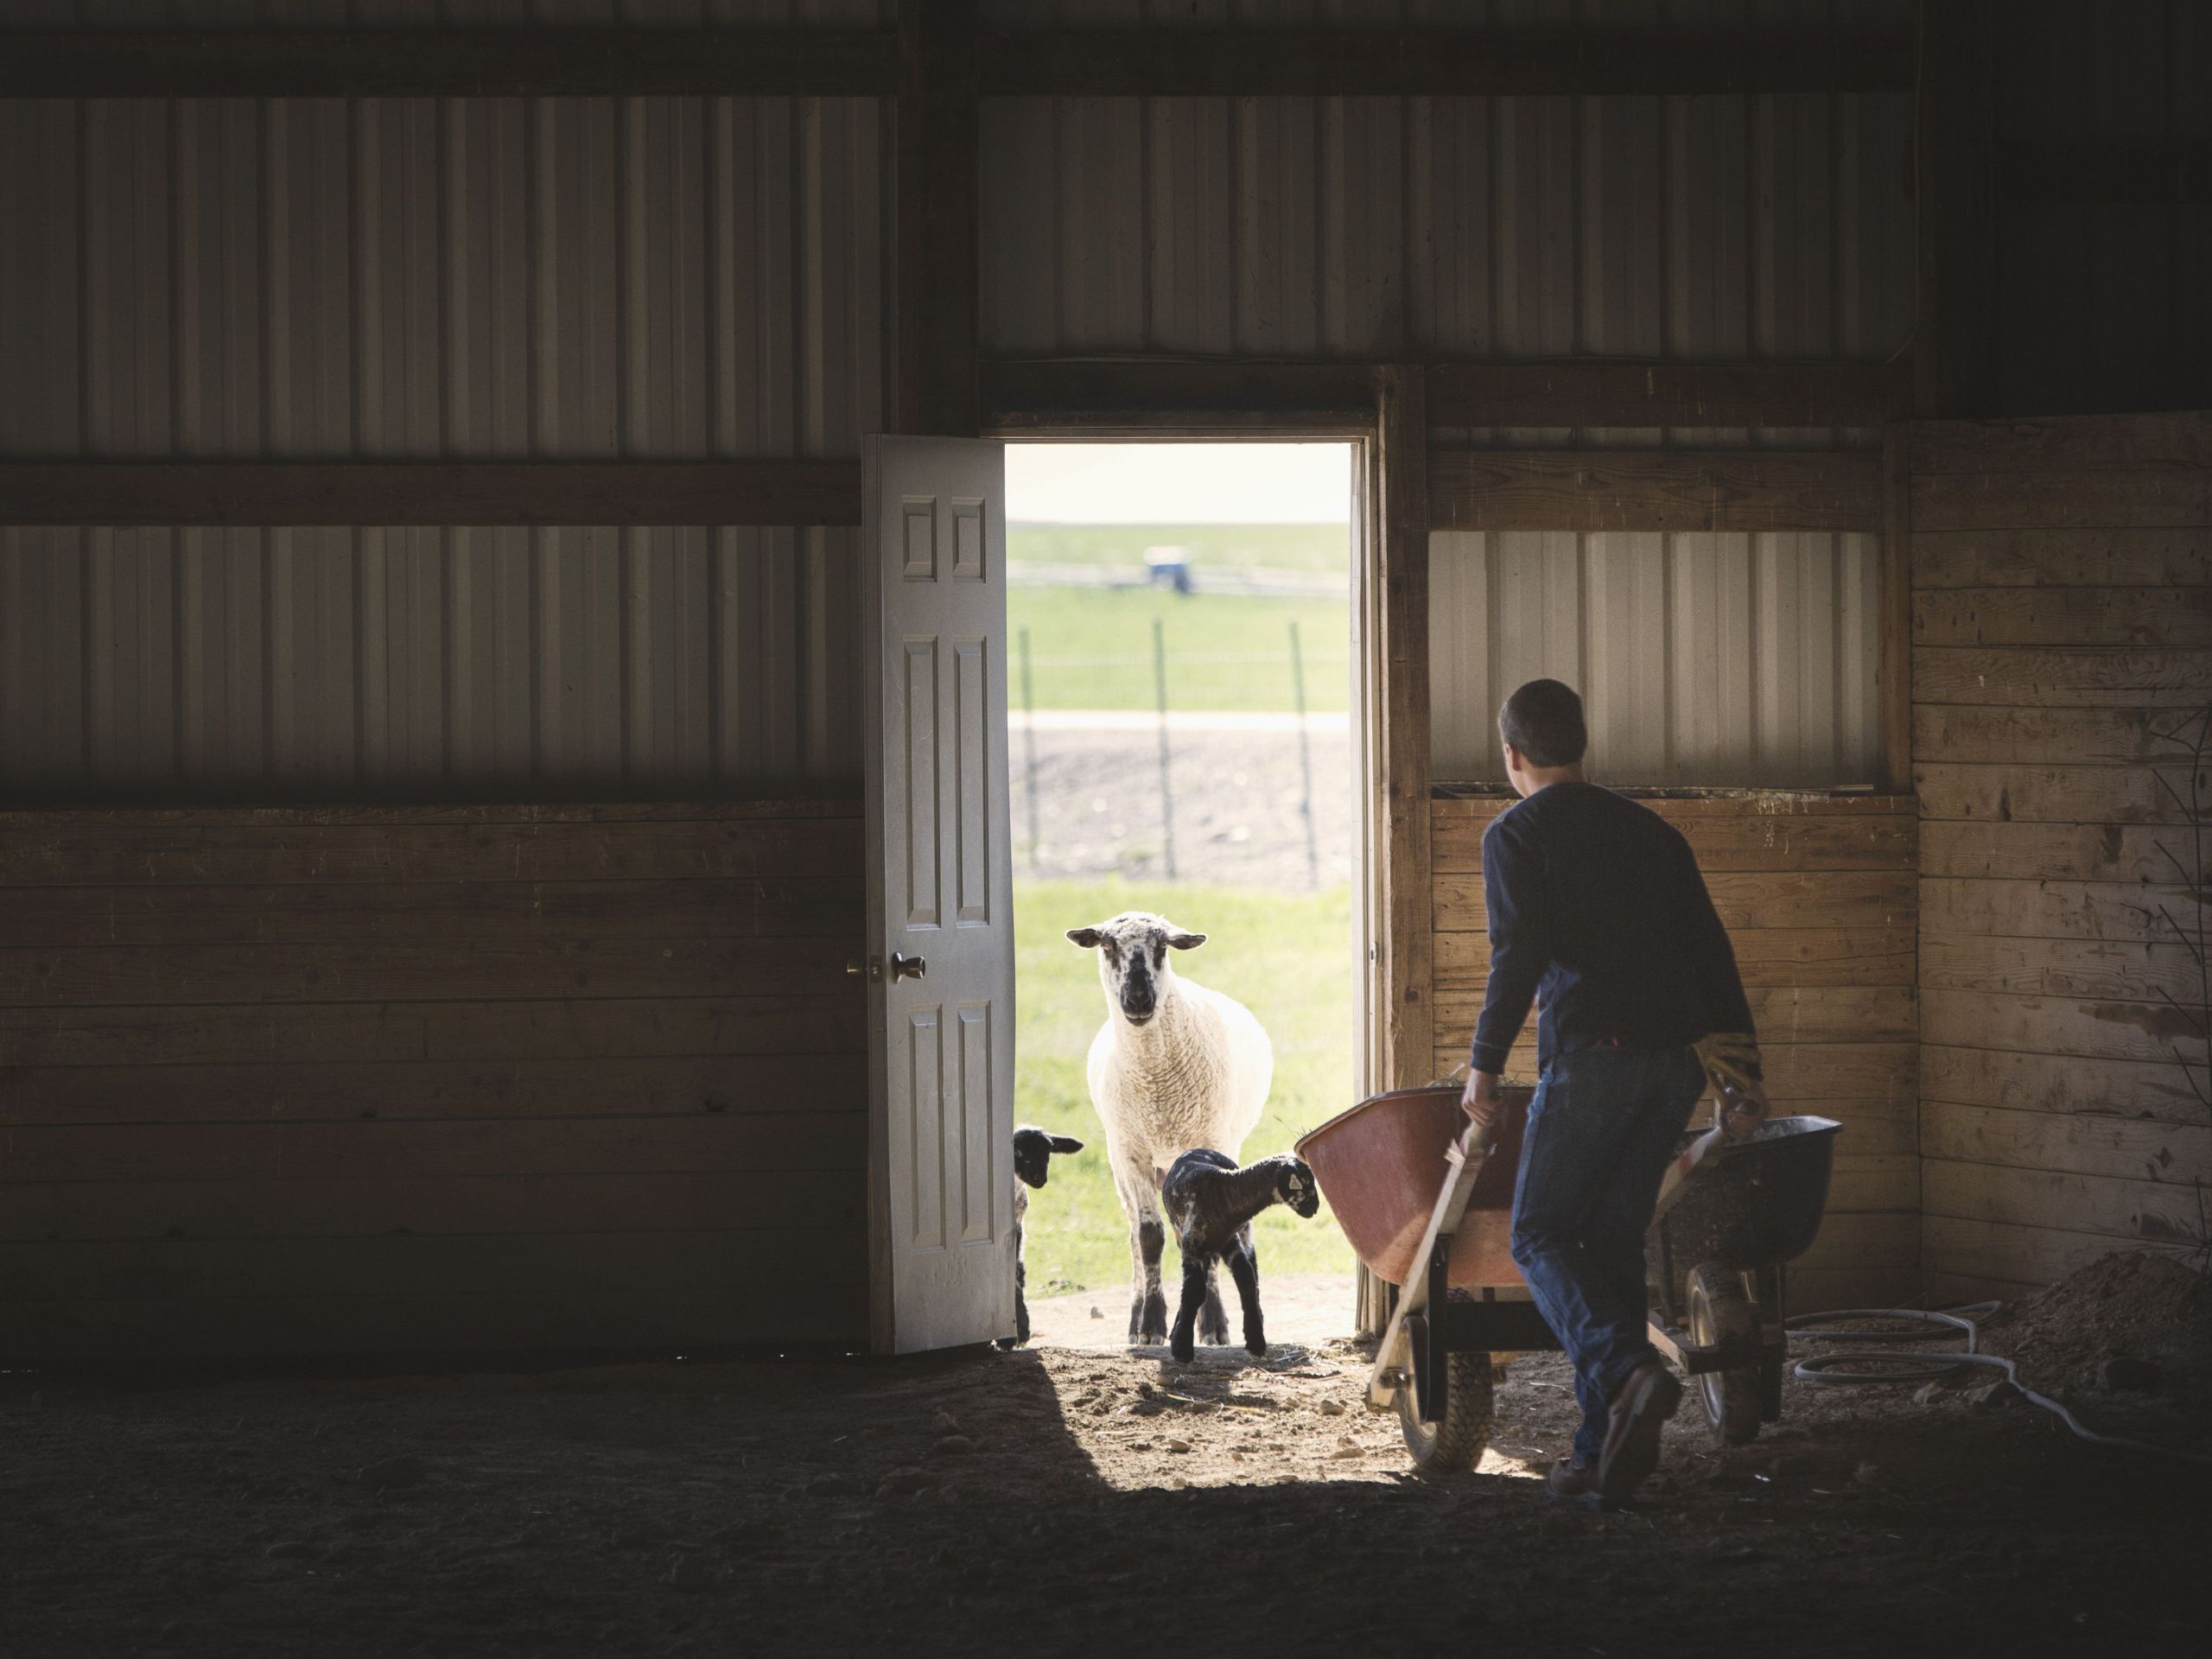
pixel 1483 1100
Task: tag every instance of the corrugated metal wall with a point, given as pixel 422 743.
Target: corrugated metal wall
pixel 566 277
pixel 2105 302
pixel 1702 660
pixel 1773 227
pixel 307 664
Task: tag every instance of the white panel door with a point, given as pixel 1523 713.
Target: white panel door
pixel 940 900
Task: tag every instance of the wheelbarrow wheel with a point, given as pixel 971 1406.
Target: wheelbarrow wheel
pixel 1453 1443
pixel 1719 1311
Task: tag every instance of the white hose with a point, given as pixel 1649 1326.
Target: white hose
pixel 1827 1368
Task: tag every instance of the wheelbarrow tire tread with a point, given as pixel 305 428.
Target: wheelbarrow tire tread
pixel 1454 1444
pixel 1718 1310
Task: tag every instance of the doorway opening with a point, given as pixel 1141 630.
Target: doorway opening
pixel 1183 712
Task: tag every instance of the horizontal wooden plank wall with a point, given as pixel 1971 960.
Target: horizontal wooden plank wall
pixel 1818 894
pixel 410 1081
pixel 2062 620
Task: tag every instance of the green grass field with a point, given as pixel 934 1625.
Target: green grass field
pixel 1091 648
pixel 1287 956
pixel 1276 547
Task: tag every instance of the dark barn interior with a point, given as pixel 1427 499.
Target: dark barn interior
pixel 466 1181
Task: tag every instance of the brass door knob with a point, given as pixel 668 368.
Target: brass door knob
pixel 908 967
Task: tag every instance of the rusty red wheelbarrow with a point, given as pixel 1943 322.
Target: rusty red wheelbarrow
pixel 1427 1206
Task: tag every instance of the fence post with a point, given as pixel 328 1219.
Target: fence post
pixel 1166 789
pixel 1305 757
pixel 1029 744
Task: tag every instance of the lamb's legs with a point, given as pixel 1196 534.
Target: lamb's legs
pixel 1213 1320
pixel 1244 1268
pixel 1195 1291
pixel 1021 1288
pixel 1147 1239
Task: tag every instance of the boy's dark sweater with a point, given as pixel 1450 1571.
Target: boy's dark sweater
pixel 1597 910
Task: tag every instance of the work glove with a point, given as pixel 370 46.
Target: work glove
pixel 1730 1059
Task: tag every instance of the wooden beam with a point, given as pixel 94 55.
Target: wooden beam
pixel 1956 347
pixel 1592 490
pixel 1590 393
pixel 2140 170
pixel 430 493
pixel 1418 62
pixel 1893 675
pixel 937 191
pixel 1136 394
pixel 1403 842
pixel 445 62
pixel 520 62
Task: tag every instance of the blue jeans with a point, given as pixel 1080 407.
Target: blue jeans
pixel 1603 1125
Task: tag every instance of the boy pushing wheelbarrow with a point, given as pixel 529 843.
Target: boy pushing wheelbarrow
pixel 1596 907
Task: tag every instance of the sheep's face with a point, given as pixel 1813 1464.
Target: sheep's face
pixel 1033 1153
pixel 1295 1187
pixel 1132 959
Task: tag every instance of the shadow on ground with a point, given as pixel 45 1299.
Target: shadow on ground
pixel 1069 1501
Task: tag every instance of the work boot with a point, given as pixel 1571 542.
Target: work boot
pixel 1570 1480
pixel 1645 1399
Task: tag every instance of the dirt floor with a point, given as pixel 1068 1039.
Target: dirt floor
pixel 1067 1499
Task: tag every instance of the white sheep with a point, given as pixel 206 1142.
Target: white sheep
pixel 1174 1068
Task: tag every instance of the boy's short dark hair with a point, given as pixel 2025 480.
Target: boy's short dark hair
pixel 1543 720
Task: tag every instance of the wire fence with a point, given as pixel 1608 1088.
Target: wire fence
pixel 1198 680
pixel 1270 687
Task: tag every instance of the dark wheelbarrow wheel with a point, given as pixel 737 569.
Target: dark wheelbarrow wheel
pixel 1453 1443
pixel 1720 1312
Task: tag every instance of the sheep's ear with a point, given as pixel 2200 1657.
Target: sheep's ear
pixel 1186 941
pixel 1086 936
pixel 1064 1143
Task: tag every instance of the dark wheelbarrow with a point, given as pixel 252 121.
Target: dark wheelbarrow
pixel 1715 1258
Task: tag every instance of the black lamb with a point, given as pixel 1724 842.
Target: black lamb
pixel 1210 1202
pixel 1033 1160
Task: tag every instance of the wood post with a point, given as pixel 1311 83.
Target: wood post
pixel 938 256
pixel 1956 336
pixel 1894 674
pixel 1402 840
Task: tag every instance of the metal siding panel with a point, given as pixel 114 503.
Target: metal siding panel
pixel 311 250
pixel 1703 659
pixel 1190 241
pixel 128 278
pixel 313 697
pixel 1020 267
pixel 42 628
pixel 40 220
pixel 221 630
pixel 1534 145
pixel 1709 652
pixel 1277 258
pixel 1450 284
pixel 1625 690
pixel 1459 654
pixel 130 659
pixel 1362 227
pixel 398 337
pixel 1100 145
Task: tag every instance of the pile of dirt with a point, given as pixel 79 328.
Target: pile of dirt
pixel 2129 1306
